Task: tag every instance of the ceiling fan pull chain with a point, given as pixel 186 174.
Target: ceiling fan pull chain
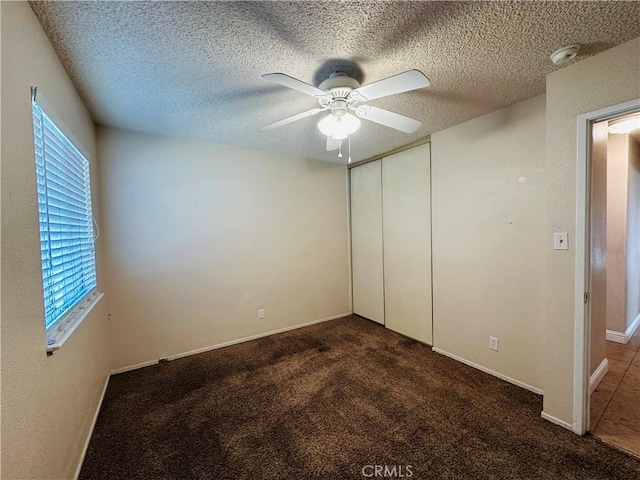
pixel 349 161
pixel 340 150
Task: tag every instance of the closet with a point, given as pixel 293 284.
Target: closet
pixel 391 242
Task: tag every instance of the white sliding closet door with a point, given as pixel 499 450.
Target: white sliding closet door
pixel 366 241
pixel 407 242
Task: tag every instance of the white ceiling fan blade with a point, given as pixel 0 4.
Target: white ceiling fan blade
pixel 294 83
pixel 388 119
pixel 403 82
pixel 333 144
pixel 291 119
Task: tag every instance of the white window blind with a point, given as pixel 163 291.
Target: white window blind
pixel 66 222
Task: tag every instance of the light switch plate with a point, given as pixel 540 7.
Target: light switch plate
pixel 560 241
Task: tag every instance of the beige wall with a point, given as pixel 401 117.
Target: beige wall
pixel 199 236
pixel 617 192
pixel 633 235
pixel 48 403
pixel 598 286
pixel 606 79
pixel 488 200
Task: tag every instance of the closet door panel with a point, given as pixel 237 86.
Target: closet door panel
pixel 366 241
pixel 407 242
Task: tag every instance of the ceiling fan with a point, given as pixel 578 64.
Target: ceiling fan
pixel 341 94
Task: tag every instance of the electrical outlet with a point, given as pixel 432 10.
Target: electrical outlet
pixel 493 343
pixel 260 313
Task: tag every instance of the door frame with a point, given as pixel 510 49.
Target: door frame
pixel 582 323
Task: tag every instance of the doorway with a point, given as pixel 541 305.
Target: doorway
pixel 612 273
pixel 592 363
pixel 582 322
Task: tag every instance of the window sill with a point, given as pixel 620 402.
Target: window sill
pixel 58 335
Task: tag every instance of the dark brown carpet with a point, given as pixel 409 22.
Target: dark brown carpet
pixel 326 401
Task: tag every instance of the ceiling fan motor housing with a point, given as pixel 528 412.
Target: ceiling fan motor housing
pixel 339 84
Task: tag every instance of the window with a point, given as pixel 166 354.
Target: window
pixel 66 229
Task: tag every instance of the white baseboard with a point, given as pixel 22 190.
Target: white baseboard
pixel 598 375
pixel 226 344
pixel 490 372
pixel 252 337
pixel 93 425
pixel 633 327
pixel 134 367
pixel 557 421
pixel 617 337
pixel 623 337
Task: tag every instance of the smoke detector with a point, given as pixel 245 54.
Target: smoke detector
pixel 564 54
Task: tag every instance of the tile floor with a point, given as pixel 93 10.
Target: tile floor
pixel 615 404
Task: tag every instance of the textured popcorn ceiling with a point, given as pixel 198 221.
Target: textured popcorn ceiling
pixel 193 68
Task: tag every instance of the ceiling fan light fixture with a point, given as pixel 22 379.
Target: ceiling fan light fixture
pixel 339 127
